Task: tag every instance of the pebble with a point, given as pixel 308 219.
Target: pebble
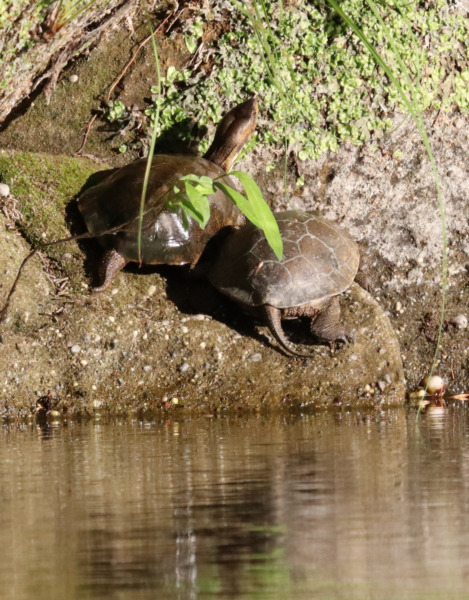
pixel 387 378
pixel 4 190
pixel 184 367
pixel 73 78
pixel 75 349
pixel 83 362
pixel 398 306
pixel 202 345
pixel 185 329
pixel 147 368
pixel 460 321
pixel 151 290
pixel 256 357
pixel 112 319
pixel 433 384
pixel 382 385
pixel 417 394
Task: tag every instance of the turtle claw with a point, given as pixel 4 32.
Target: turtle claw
pixel 347 337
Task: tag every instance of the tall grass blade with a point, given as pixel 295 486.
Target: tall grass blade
pixel 151 150
pixel 411 105
pixel 267 40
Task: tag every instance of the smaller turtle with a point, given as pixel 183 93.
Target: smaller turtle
pixel 320 260
pixel 113 205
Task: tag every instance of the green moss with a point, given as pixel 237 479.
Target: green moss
pixel 44 185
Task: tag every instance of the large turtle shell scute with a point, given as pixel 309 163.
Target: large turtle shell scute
pixel 115 202
pixel 320 260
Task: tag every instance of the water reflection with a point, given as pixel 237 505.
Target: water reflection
pixel 329 505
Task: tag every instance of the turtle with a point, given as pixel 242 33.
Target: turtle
pixel 320 261
pixel 110 209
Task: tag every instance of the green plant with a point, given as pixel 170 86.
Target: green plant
pixel 335 91
pixel 65 11
pixel 117 110
pixel 196 204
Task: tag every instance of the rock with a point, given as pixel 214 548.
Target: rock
pixel 460 321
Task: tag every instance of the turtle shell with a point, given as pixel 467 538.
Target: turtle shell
pixel 320 260
pixel 115 202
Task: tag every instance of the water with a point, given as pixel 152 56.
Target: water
pixel 330 505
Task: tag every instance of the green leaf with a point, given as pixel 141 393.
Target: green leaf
pixel 198 205
pixel 241 202
pixel 264 217
pixel 191 43
pixel 171 74
pixel 204 184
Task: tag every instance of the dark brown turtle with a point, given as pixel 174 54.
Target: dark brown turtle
pixel 115 202
pixel 320 261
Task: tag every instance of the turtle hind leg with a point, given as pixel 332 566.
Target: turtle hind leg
pixel 326 324
pixel 111 263
pixel 273 317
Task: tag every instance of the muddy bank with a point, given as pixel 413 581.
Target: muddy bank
pixel 157 338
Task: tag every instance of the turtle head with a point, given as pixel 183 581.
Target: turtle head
pixel 232 133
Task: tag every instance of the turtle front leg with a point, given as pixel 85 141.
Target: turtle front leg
pixel 326 324
pixel 111 263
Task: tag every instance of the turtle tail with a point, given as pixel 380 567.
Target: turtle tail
pixel 111 263
pixel 273 318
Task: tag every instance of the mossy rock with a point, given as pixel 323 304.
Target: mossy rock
pixel 44 185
